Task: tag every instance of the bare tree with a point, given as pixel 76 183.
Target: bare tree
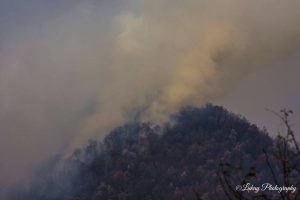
pixel 283 166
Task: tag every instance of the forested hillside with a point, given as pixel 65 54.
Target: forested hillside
pixel 177 160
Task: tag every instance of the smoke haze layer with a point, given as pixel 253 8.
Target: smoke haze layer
pixel 73 74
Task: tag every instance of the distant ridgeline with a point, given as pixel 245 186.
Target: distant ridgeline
pixel 144 161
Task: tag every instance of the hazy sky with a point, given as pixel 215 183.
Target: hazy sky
pixel 273 88
pixel 72 70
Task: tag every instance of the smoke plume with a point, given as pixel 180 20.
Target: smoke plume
pixel 78 73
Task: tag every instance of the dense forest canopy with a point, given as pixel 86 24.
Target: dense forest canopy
pixel 175 160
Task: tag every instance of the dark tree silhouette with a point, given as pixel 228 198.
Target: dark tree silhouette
pixel 283 166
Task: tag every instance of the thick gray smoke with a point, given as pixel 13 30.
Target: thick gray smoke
pixel 78 73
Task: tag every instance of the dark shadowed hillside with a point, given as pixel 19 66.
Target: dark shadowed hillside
pixel 176 160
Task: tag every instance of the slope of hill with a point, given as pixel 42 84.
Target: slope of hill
pixel 176 160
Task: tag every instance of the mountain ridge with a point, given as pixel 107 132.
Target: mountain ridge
pixel 176 160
